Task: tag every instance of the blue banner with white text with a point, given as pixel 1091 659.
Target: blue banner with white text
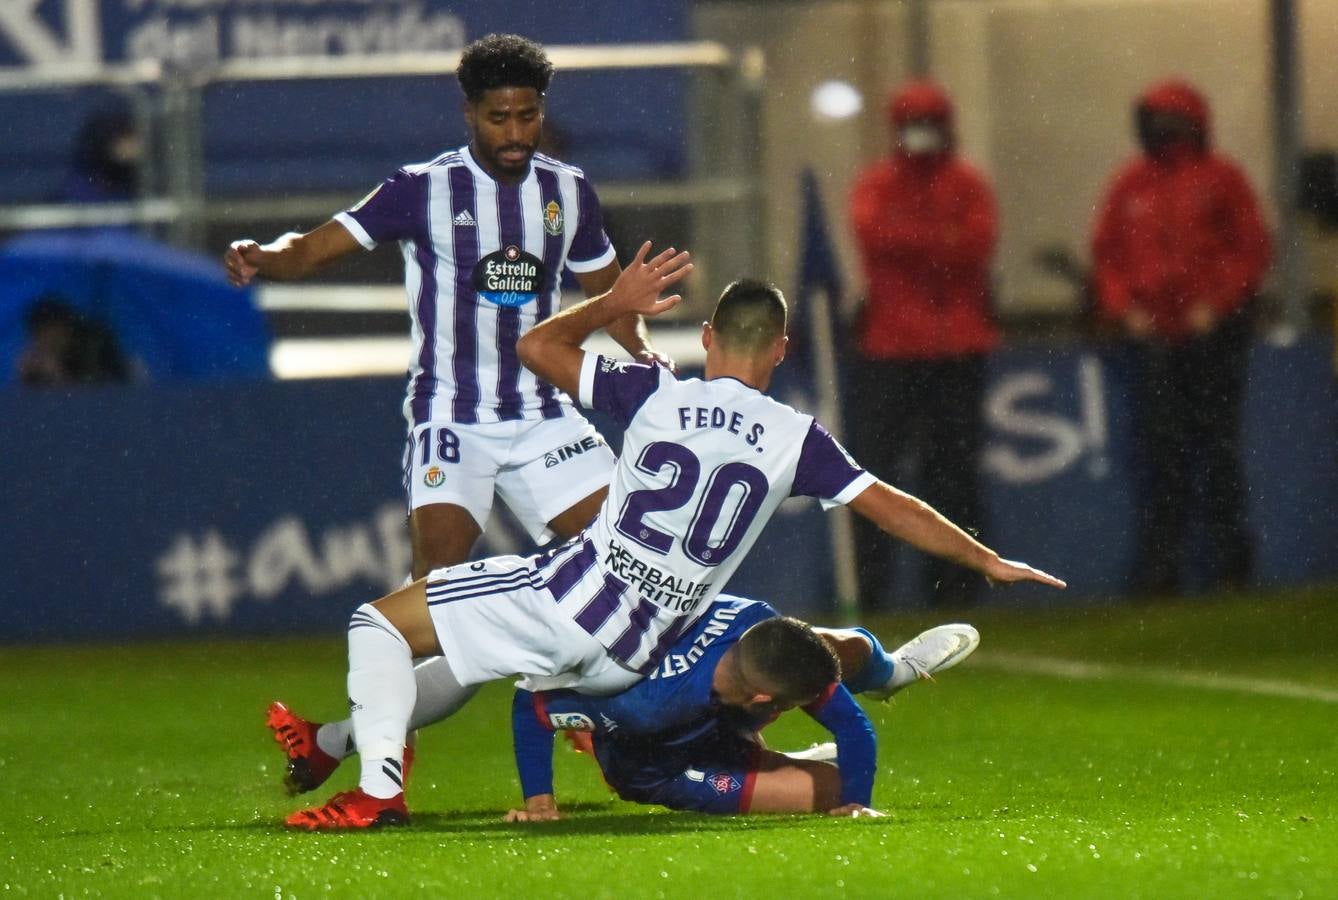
pixel 277 508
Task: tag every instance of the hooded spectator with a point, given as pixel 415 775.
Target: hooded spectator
pixel 1179 250
pixel 925 224
pixel 104 167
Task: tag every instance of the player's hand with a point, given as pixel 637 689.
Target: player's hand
pixel 1007 571
pixel 856 811
pixel 242 262
pixel 656 358
pixel 639 286
pixel 539 808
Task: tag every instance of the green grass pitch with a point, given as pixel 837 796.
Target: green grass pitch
pixel 146 771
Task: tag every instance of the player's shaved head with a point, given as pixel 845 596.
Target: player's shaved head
pixel 503 61
pixel 786 658
pixel 749 316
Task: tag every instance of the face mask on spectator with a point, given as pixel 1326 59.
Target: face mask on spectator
pixel 1159 132
pixel 921 139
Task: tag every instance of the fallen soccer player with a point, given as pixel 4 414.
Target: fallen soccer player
pixel 687 737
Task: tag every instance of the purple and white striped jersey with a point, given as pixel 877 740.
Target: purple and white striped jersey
pixel 482 263
pixel 704 465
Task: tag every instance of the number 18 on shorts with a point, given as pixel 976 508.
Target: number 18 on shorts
pixel 538 468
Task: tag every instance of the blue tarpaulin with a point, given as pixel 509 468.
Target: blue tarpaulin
pixel 173 313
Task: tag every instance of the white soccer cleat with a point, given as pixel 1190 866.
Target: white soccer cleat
pixel 819 752
pixel 922 658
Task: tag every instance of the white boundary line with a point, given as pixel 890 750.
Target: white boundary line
pixel 1076 669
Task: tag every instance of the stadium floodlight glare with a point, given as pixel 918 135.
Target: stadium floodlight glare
pixel 835 100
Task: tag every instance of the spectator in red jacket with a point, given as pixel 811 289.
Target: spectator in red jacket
pixel 926 225
pixel 1179 250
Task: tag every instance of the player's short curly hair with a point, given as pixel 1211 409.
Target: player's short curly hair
pixel 789 659
pixel 503 60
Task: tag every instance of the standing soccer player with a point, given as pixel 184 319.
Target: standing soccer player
pixel 485 231
pixel 704 465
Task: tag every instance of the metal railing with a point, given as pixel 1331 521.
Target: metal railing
pixel 721 190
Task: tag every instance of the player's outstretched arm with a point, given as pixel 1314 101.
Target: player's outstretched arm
pixel 533 745
pixel 920 525
pixel 856 746
pixel 552 349
pixel 290 257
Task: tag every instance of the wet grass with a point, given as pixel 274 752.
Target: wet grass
pixel 145 771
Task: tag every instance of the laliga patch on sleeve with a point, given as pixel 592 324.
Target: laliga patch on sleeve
pixel 571 722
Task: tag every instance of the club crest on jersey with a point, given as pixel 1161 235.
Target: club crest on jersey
pixel 509 277
pixel 571 722
pixel 553 218
pixel 434 477
pixel 723 782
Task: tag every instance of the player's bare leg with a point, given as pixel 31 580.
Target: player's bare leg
pixel 786 785
pixel 569 523
pixel 406 610
pixel 851 647
pixel 442 534
pixel 437 697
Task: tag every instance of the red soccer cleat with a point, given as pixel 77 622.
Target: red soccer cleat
pixel 351 810
pixel 308 765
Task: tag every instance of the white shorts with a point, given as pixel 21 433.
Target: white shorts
pixel 539 467
pixel 495 619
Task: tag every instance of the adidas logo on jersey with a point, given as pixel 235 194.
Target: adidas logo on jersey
pixel 463 218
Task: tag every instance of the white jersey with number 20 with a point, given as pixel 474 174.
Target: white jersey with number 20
pixel 703 467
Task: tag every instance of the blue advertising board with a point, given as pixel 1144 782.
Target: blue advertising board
pixel 269 508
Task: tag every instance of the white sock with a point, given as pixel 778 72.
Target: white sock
pixel 439 695
pixel 381 693
pixel 336 738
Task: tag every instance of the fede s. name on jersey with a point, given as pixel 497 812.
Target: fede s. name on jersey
pixel 704 466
